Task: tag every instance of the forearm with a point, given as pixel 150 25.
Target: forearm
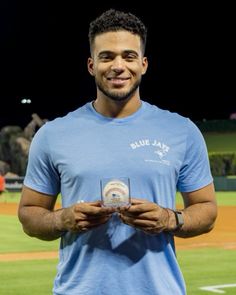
pixel 198 219
pixel 41 223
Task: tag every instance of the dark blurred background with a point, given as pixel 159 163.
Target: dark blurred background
pixel 44 50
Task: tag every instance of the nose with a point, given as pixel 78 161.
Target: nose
pixel 118 64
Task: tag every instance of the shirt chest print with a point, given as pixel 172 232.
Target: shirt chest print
pixel 158 150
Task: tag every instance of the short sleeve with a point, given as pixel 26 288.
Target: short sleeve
pixel 195 170
pixel 41 175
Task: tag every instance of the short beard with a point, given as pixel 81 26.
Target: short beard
pixel 116 96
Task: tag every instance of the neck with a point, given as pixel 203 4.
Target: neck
pixel 116 109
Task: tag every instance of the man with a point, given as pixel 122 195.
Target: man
pixel 109 249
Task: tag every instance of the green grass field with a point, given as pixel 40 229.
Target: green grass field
pixel 223 199
pixel 200 267
pixel 16 241
pixel 208 267
pixel 220 142
pixel 29 277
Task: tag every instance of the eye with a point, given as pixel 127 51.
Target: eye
pixel 104 57
pixel 130 56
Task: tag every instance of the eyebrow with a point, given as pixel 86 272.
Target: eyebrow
pixel 108 52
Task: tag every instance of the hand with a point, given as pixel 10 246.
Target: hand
pixel 84 216
pixel 145 215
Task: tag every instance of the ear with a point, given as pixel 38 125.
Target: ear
pixel 90 66
pixel 145 65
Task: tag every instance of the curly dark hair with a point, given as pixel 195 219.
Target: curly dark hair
pixel 114 20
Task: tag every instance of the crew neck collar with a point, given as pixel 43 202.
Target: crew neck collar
pixel 117 120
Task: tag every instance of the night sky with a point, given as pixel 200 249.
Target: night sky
pixel 44 50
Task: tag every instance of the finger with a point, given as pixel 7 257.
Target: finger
pixel 137 222
pixel 93 209
pixel 150 215
pixel 88 224
pixel 87 217
pixel 139 209
pixel 135 201
pixel 150 227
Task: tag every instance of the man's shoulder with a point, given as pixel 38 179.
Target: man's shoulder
pixel 64 124
pixel 69 117
pixel 164 114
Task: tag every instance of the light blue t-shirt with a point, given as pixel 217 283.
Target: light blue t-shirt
pixel 160 152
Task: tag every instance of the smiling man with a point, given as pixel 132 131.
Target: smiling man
pixel 107 249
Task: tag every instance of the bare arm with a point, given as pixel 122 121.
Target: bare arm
pixel 39 219
pixel 199 213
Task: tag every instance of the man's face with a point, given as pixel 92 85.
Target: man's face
pixel 117 64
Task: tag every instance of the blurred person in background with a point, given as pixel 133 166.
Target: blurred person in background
pixel 2 183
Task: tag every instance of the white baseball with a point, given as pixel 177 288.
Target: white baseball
pixel 115 191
